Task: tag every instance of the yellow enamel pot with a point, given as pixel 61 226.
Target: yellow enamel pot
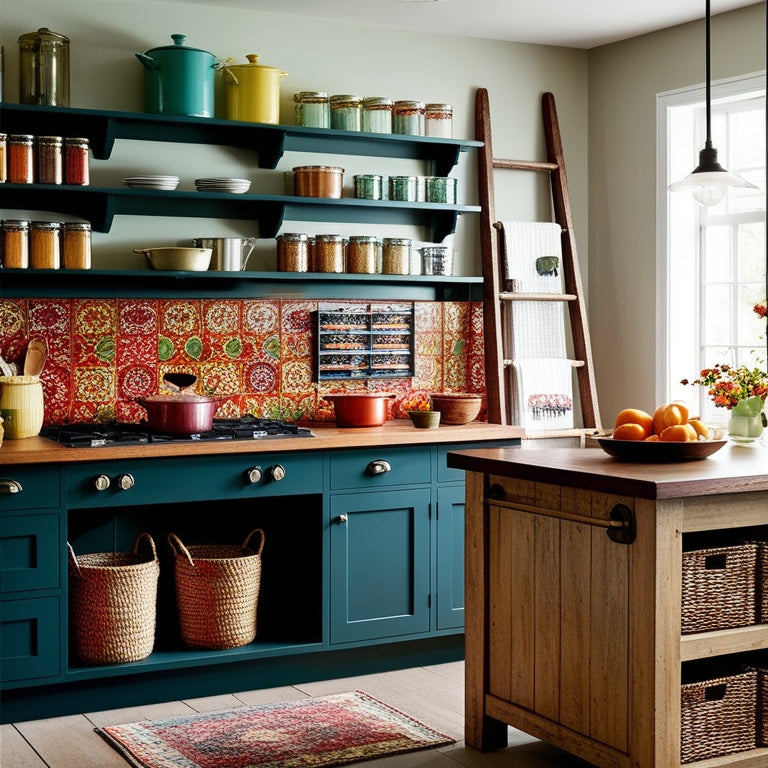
pixel 253 91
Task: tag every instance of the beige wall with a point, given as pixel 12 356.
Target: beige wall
pixel 624 79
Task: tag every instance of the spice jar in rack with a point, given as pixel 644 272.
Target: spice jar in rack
pixel 50 157
pixel 15 244
pixel 76 161
pixel 328 253
pixel 363 254
pixel 44 246
pixel 76 245
pixel 293 252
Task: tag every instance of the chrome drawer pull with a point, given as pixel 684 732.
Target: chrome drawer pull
pixel 10 486
pixel 378 467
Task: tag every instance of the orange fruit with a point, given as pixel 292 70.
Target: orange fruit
pixel 678 433
pixel 635 416
pixel 702 430
pixel 629 432
pixel 652 439
pixel 669 415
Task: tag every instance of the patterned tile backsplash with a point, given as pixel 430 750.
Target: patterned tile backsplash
pixel 104 353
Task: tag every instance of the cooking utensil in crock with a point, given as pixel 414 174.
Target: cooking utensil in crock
pixel 360 409
pixel 252 91
pixel 179 80
pixel 37 353
pixel 229 254
pixel 179 381
pixel 180 414
pixel 177 259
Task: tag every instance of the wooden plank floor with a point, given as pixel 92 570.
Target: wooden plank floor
pixel 434 695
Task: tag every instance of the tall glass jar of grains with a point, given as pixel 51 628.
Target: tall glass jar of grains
pixel 44 247
pixel 396 256
pixel 21 160
pixel 49 159
pixel 408 118
pixel 363 254
pixel 76 158
pixel 292 252
pixel 438 120
pixel 312 109
pixel 3 156
pixel 76 245
pixel 377 115
pixel 328 253
pixel 345 112
pixel 15 250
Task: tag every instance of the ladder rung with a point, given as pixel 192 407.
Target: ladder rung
pixel 524 165
pixel 510 296
pixel 574 363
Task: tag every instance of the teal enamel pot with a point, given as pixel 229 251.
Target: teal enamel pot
pixel 179 80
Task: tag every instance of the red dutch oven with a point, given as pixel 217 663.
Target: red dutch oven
pixel 180 414
pixel 364 409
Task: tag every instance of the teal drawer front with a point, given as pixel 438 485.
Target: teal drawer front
pixel 29 553
pixel 380 467
pixel 162 481
pixel 28 488
pixel 29 638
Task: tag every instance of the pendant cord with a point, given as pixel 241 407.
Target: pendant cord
pixel 708 143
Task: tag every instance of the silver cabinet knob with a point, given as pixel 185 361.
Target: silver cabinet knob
pixel 254 475
pixel 10 486
pixel 125 481
pixel 378 467
pixel 277 473
pixel 101 482
pixel 341 519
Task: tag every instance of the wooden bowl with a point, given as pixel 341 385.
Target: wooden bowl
pixel 456 407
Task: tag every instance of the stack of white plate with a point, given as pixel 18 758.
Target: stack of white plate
pixel 166 183
pixel 236 186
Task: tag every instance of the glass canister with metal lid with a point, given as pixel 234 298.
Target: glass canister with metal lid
pixel 408 118
pixel 438 120
pixel 328 253
pixel 377 115
pixel 293 252
pixel 363 254
pixel 50 159
pixel 396 256
pixel 44 68
pixel 44 245
pixel 313 109
pixel 15 244
pixel 345 112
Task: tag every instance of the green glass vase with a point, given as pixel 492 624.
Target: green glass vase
pixel 745 425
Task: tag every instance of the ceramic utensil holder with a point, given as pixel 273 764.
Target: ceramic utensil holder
pixel 21 406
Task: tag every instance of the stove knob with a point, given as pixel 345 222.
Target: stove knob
pixel 277 473
pixel 125 481
pixel 254 475
pixel 101 482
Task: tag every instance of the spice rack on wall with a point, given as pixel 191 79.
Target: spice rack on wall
pixel 100 205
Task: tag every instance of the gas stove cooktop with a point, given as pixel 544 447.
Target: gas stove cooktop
pixel 101 435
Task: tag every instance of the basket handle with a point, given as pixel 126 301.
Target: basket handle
pixel 148 538
pixel 175 541
pixel 250 535
pixel 73 558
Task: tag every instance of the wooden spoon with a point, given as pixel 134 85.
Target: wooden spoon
pixel 37 353
pixel 179 381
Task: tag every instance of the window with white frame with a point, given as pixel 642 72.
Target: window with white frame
pixel 712 261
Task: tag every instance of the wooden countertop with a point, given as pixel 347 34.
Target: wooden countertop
pixel 39 450
pixel 732 469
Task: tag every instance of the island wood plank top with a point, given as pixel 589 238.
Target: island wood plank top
pixel 40 450
pixel 733 469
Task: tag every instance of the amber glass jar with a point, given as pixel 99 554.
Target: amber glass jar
pixel 293 252
pixel 44 245
pixel 76 161
pixel 15 244
pixel 50 165
pixel 328 253
pixel 76 245
pixel 21 159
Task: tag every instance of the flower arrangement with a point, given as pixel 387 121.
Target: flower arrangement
pixel 730 386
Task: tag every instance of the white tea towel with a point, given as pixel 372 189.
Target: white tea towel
pixel 533 255
pixel 543 394
pixel 538 329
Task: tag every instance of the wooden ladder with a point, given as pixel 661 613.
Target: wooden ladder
pixel 497 301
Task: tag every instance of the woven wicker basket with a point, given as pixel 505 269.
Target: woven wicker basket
pixel 762 583
pixel 719 588
pixel 718 716
pixel 113 597
pixel 762 705
pixel 217 592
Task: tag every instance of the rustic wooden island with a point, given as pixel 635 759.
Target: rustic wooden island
pixel 573 596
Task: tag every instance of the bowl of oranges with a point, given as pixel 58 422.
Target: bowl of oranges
pixel 670 434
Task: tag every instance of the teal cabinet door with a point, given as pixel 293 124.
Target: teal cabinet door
pixel 380 562
pixel 29 638
pixel 450 557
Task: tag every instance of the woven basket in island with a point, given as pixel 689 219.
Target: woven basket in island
pixel 217 591
pixel 113 603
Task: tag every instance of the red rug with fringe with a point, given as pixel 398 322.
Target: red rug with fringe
pixel 315 732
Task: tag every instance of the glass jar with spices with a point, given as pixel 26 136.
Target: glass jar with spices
pixel 293 252
pixel 21 159
pixel 76 245
pixel 377 115
pixel 438 120
pixel 403 188
pixel 44 245
pixel 49 159
pixel 312 109
pixel 345 112
pixel 328 253
pixel 408 118
pixel 76 161
pixel 369 186
pixel 15 244
pixel 3 157
pixel 363 254
pixel 396 256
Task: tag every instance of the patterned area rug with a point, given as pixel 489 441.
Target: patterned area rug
pixel 323 731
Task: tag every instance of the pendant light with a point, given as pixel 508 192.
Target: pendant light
pixel 709 181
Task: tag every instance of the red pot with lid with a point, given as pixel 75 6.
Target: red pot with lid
pixel 360 409
pixel 180 414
